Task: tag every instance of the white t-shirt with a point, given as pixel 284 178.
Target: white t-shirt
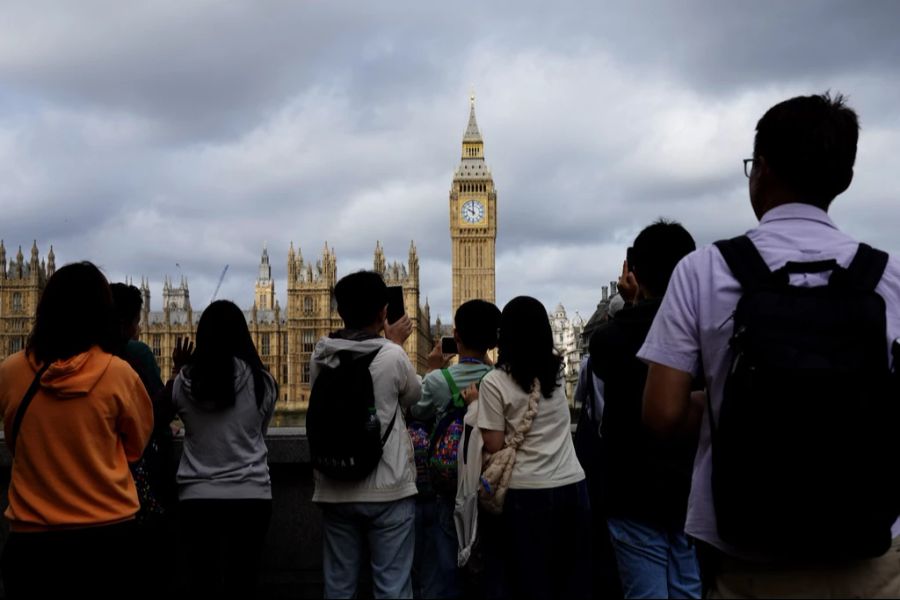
pixel 546 458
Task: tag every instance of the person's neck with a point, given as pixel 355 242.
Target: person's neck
pixel 373 329
pixel 472 356
pixel 781 198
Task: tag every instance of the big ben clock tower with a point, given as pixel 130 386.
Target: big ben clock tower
pixel 473 221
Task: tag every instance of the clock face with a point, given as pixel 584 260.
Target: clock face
pixel 473 211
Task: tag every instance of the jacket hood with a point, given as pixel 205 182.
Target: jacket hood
pixel 74 376
pixel 327 348
pixel 242 375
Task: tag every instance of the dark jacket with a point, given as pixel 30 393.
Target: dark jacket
pixel 647 477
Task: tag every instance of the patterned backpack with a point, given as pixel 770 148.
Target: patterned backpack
pixel 420 434
pixel 444 447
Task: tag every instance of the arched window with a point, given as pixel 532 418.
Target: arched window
pixel 308 305
pixel 308 341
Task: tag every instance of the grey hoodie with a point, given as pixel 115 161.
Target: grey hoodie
pixel 396 383
pixel 225 455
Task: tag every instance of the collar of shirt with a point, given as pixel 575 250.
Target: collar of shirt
pixel 797 210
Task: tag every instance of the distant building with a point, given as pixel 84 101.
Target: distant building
pixel 21 285
pixel 567 340
pixel 473 222
pixel 284 339
pixel 610 298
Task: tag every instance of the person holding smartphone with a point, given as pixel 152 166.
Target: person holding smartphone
pixel 435 572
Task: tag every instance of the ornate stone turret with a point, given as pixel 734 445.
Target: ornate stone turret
pixel 2 260
pixel 413 261
pixel 379 263
pixel 51 262
pixel 265 286
pixel 290 266
pixel 176 298
pixel 145 307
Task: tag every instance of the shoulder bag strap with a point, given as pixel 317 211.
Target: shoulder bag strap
pixel 23 406
pixel 589 397
pixel 742 257
pixel 455 395
pixel 528 418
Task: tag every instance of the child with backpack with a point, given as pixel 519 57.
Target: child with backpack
pixel 365 479
pixel 435 572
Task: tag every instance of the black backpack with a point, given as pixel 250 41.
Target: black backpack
pixel 345 440
pixel 805 462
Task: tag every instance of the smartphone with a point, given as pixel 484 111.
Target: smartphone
pixel 395 303
pixel 629 257
pixel 448 345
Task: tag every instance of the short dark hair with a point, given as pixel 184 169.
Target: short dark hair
pixel 75 313
pixel 656 251
pixel 360 298
pixel 809 142
pixel 526 345
pixel 477 322
pixel 128 302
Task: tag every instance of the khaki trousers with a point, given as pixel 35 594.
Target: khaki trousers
pixel 873 578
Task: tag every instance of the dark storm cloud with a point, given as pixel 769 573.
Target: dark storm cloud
pixel 149 135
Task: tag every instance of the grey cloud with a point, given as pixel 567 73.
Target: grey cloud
pixel 192 134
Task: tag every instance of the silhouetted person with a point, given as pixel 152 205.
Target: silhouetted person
pixel 72 499
pixel 154 473
pixel 795 479
pixel 225 397
pixel 645 479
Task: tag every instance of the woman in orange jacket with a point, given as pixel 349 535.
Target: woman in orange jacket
pixel 72 499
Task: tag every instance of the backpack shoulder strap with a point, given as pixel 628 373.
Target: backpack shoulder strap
pixel 742 257
pixel 866 268
pixel 455 396
pixel 390 427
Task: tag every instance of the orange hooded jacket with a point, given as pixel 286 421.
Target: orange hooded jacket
pixel 90 417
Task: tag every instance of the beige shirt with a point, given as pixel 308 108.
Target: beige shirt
pixel 546 459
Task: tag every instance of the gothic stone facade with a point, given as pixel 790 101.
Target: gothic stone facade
pixel 21 284
pixel 284 338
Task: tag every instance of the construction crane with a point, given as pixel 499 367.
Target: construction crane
pixel 218 285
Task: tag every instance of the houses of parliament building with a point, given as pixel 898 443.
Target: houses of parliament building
pixel 285 336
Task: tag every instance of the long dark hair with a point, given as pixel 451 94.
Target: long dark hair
pixel 75 313
pixel 222 336
pixel 526 345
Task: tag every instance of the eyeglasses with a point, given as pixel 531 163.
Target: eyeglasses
pixel 748 166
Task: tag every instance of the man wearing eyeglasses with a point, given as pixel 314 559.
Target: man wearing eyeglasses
pixel 803 157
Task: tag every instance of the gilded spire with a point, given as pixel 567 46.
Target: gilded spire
pixel 472 132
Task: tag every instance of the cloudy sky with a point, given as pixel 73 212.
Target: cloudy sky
pixel 171 137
